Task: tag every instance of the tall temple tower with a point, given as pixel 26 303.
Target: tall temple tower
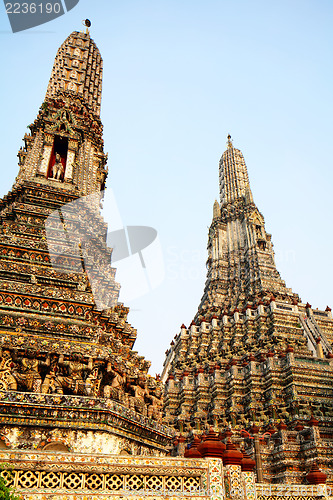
pixel 254 355
pixel 69 377
pixel 241 267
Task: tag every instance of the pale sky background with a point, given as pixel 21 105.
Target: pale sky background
pixel 179 75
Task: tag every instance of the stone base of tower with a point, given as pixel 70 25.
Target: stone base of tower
pixel 69 377
pixel 288 453
pixel 31 421
pixel 282 382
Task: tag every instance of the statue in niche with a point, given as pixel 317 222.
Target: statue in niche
pixel 242 420
pixel 101 176
pixel 295 408
pixel 233 417
pixel 93 382
pixel 258 231
pixel 140 391
pixel 50 384
pixel 29 376
pixel 283 413
pixel 252 413
pixel 82 285
pixel 33 279
pixel 74 380
pixel 7 379
pixel 116 389
pixel 273 411
pixel 262 417
pixel 155 408
pixel 57 169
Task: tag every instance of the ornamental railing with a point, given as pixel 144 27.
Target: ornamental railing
pixel 59 475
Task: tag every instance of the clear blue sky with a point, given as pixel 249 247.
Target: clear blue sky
pixel 180 75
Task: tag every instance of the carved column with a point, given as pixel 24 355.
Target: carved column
pixel 216 486
pixel 248 476
pixel 72 148
pixel 257 452
pixel 232 459
pixel 48 145
pixel 319 348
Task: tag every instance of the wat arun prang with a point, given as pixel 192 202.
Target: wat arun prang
pixel 69 377
pixel 255 359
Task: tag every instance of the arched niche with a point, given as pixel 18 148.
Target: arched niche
pixel 56 446
pixel 3 445
pixel 124 452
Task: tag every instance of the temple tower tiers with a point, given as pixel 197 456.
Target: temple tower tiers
pixel 241 267
pixel 69 377
pixel 254 353
pixel 65 143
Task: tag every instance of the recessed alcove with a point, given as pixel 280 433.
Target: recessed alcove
pixel 56 446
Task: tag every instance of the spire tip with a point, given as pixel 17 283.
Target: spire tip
pixel 87 24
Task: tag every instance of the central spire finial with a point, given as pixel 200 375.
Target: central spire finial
pixel 229 143
pixel 87 24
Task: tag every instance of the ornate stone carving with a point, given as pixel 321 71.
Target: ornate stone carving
pixel 27 373
pixel 7 379
pixel 73 380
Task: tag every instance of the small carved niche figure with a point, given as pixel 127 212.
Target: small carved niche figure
pixel 242 420
pixel 74 379
pixel 33 279
pixel 82 285
pixel 101 176
pixel 93 382
pixel 273 412
pixel 262 417
pixel 233 417
pixel 155 408
pixel 116 389
pixel 57 169
pixel 283 413
pixel 140 391
pixel 29 376
pixel 7 379
pixel 51 384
